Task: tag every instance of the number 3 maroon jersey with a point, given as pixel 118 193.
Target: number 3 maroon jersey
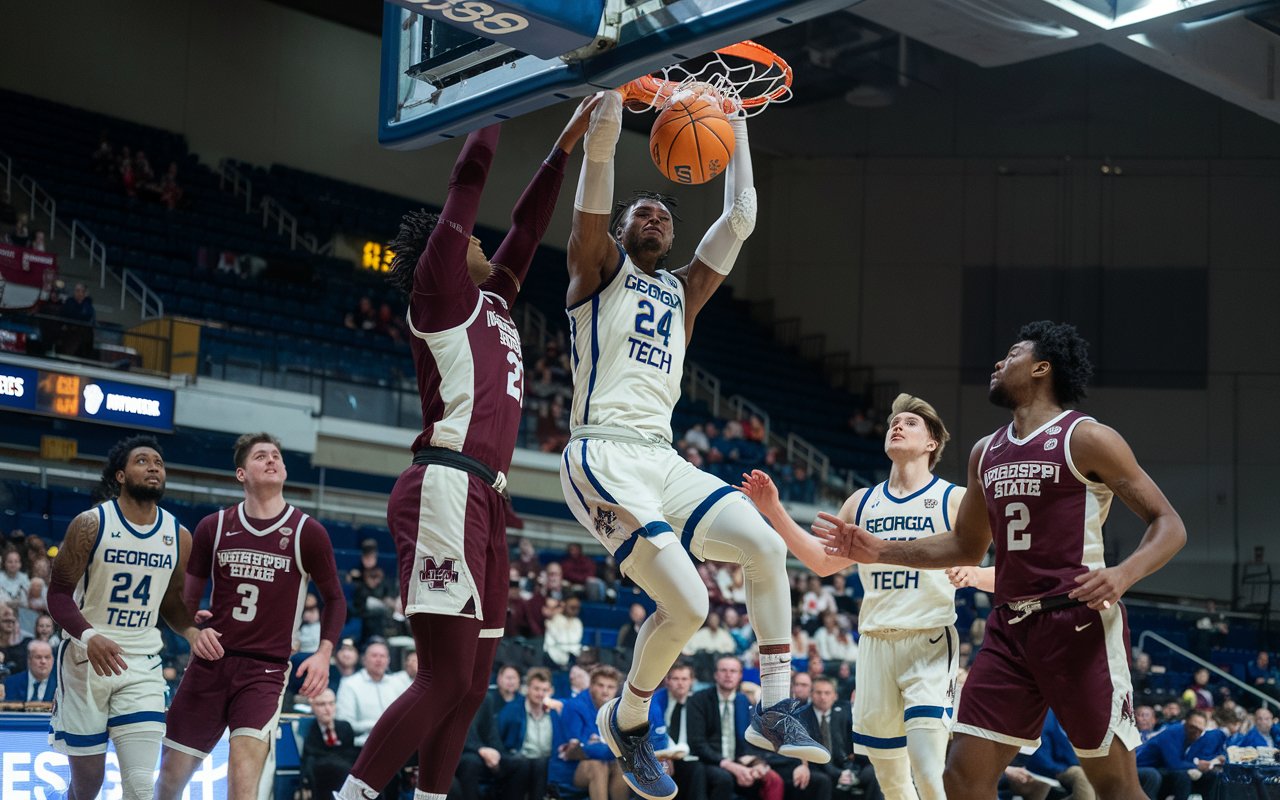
pixel 259 570
pixel 1046 517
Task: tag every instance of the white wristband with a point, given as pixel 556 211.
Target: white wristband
pixel 88 634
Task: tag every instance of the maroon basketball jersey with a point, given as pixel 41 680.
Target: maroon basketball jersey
pixel 471 378
pixel 1046 517
pixel 258 574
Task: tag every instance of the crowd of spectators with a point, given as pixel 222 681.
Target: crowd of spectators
pixel 130 171
pixel 383 319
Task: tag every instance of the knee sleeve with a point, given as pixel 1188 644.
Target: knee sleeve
pixel 740 535
pixel 671 580
pixel 137 752
pixel 927 748
pixel 894 777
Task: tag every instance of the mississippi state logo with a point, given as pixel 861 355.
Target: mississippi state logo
pixel 605 521
pixel 437 576
pixel 284 543
pixel 1055 430
pixel 1051 444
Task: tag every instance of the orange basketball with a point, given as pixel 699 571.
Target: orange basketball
pixel 692 140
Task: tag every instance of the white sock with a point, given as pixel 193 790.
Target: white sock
pixel 356 789
pixel 418 794
pixel 633 710
pixel 775 678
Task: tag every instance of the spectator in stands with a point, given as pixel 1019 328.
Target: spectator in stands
pixel 35 684
pixel 1211 630
pixel 1140 671
pixel 1261 675
pixel 1185 755
pixel 229 264
pixel 39 243
pixel 329 749
pixel 753 430
pixel 801 686
pixel 553 585
pixel 1171 712
pixel 365 695
pixel 579 680
pixel 742 633
pixel 707 571
pixel 718 720
pixel 46 631
pixel 13 645
pixel 374 601
pixel 484 756
pixel 21 235
pixel 802 488
pixel 170 191
pixel 345 663
pixel 815 602
pixel 732 583
pixel 14 583
pixel 579 571
pixel 80 316
pixel 563 639
pixel 506 688
pixel 408 668
pixel 553 425
pixel 694 457
pixel 309 628
pixel 526 562
pixel 1199 695
pixel 696 437
pixel 368 560
pixel 833 640
pixel 1145 720
pixel 1264 732
pixel 627 633
pixel 711 638
pixel 525 618
pixel 555 363
pixel 526 728
pixel 799 640
pixel 363 317
pixel 845 679
pixel 582 760
pixel 1055 758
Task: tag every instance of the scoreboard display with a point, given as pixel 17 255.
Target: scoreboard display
pixel 85 397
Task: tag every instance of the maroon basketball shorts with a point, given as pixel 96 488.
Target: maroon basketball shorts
pixel 450 531
pixel 237 692
pixel 1074 660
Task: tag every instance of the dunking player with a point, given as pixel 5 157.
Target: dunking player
pixel 118 571
pixel 907 656
pixel 448 511
pixel 1057 637
pixel 630 321
pixel 260 553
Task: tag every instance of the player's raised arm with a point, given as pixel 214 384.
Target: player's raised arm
pixel 174 610
pixel 68 568
pixel 803 545
pixel 593 251
pixel 1102 454
pixel 718 250
pixel 533 211
pixel 969 544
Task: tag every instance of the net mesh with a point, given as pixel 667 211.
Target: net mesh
pixel 746 78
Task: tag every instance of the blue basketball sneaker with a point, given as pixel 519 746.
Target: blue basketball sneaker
pixel 640 767
pixel 778 730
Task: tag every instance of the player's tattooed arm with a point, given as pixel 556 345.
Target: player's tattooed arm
pixel 69 567
pixel 204 642
pixel 1102 454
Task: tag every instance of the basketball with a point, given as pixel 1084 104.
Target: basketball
pixel 692 140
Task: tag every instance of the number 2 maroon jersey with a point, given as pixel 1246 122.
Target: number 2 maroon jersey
pixel 259 573
pixel 1046 517
pixel 471 378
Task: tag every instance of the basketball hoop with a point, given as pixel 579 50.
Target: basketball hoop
pixel 746 76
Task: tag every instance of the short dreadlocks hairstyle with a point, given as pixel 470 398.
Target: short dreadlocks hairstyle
pixel 117 458
pixel 407 247
pixel 1067 352
pixel 621 208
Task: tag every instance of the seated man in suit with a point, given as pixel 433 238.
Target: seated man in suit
pixel 526 727
pixel 718 720
pixel 483 756
pixel 36 683
pixel 1185 755
pixel 581 759
pixel 671 703
pixel 329 749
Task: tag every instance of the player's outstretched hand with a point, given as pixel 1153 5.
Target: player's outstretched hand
pixel 106 656
pixel 1100 589
pixel 203 616
pixel 845 539
pixel 760 488
pixel 963 577
pixel 314 672
pixel 205 644
pixel 578 123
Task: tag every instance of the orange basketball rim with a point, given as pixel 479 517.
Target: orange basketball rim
pixel 747 75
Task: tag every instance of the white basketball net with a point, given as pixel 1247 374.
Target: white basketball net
pixel 745 86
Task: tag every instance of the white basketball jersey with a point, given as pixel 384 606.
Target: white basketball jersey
pixel 628 352
pixel 126 578
pixel 896 597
